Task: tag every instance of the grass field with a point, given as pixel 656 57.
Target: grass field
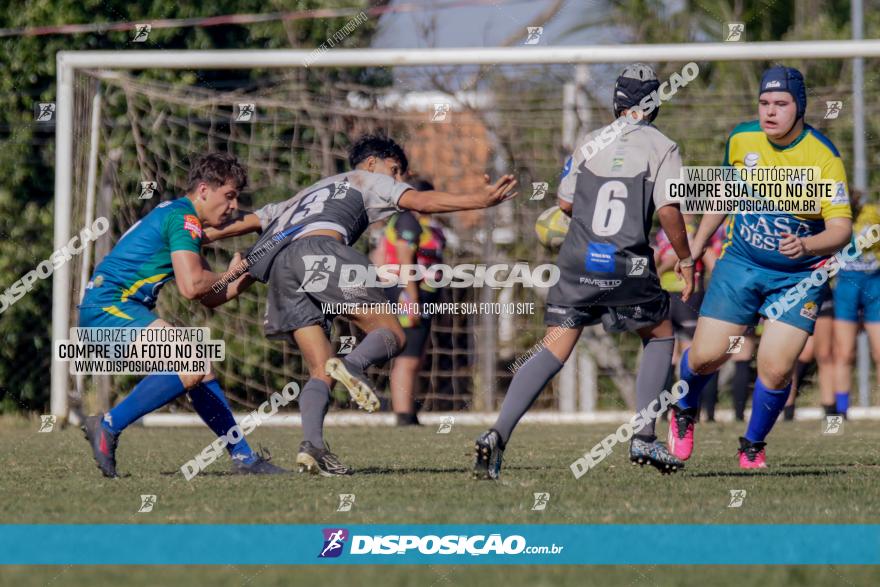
pixel 438 576
pixel 418 476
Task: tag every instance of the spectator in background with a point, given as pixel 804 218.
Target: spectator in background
pixel 411 238
pixel 819 349
pixel 856 298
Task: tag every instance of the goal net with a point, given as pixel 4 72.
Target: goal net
pixel 136 132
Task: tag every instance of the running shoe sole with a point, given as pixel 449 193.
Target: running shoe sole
pixel 359 391
pixel 664 468
pixel 483 461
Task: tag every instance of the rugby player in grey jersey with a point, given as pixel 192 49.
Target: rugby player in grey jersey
pixel 607 266
pixel 306 243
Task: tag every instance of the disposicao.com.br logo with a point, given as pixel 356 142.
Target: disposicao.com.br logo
pixel 334 540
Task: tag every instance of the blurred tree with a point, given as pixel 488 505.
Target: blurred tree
pixel 696 21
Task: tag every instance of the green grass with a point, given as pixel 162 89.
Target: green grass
pixel 418 476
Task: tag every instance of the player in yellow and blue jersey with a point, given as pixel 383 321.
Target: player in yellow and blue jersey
pixel 764 256
pixel 856 300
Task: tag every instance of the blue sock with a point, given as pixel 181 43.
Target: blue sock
pixel 153 392
pixel 766 407
pixel 210 404
pixel 841 401
pixel 695 383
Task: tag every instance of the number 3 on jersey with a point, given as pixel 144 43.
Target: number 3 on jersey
pixel 310 204
pixel 610 210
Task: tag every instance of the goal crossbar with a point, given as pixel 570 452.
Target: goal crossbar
pixel 282 58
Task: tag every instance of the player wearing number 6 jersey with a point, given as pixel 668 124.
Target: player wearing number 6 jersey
pixel 607 267
pixel 765 257
pixel 306 257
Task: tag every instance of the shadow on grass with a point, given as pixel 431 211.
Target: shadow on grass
pixel 772 473
pixel 224 474
pixel 431 470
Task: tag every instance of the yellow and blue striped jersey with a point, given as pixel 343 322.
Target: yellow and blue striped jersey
pixel 755 237
pixel 869 260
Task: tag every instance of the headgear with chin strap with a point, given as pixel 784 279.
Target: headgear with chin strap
pixel 635 83
pixel 786 79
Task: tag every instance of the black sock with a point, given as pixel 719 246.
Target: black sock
pixel 742 374
pixel 407 419
pixel 830 409
pixel 788 412
pixel 800 371
pixel 710 397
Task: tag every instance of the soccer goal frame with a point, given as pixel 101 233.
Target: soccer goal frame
pixel 69 62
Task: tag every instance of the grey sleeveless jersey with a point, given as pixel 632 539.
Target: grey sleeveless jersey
pixel 346 203
pixel 606 258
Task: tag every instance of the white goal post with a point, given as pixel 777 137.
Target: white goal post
pixel 69 62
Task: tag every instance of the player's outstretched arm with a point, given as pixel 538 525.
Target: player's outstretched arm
pixel 673 224
pixel 245 223
pixel 489 195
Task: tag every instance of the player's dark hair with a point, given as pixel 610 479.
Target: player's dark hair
pixel 216 169
pixel 378 146
pixel 420 184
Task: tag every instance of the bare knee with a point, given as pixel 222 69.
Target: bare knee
pixel 847 357
pixel 774 376
pixel 703 363
pixel 824 355
pixel 190 380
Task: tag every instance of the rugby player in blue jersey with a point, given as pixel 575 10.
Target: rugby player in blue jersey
pixel 166 245
pixel 764 256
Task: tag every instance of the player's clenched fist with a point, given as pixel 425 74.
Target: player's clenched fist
pixel 792 246
pixel 684 269
pixel 238 264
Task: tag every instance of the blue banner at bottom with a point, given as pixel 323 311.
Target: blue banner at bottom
pixel 197 544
